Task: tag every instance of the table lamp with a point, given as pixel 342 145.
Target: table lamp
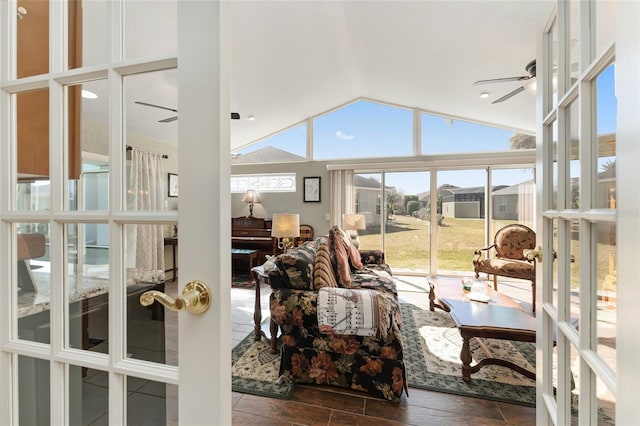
pixel 353 222
pixel 251 197
pixel 285 227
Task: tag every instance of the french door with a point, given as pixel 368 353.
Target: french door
pixel 89 88
pixel 586 163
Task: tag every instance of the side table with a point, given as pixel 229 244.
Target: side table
pixel 260 276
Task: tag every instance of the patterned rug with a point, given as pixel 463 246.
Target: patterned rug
pixel 255 370
pixel 432 355
pixel 432 346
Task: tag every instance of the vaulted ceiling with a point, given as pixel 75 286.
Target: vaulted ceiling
pixel 293 60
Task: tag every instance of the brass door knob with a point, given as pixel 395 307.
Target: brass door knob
pixel 196 298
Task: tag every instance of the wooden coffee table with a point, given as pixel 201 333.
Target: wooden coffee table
pixel 499 318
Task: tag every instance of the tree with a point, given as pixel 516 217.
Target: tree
pixel 394 197
pixel 522 141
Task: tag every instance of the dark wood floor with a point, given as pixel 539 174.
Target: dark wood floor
pixel 321 405
pixel 324 405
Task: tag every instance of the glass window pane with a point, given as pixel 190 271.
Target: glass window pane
pixel 32 39
pixel 33 286
pixel 369 202
pixel 151 139
pixel 554 165
pixel 363 129
pixel 605 25
pixel 553 52
pixel 150 28
pixel 462 230
pixel 573 185
pixel 88 32
pixel 33 391
pixel 574 270
pixel 144 257
pixel 554 300
pixel 606 405
pixel 88 141
pixel 87 283
pixel 573 43
pixel 33 149
pixel 151 403
pixel 286 146
pixel 606 107
pixel 445 135
pixel 607 292
pixel 513 197
pixel 88 396
pixel 407 229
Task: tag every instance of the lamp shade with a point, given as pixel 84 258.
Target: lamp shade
pixel 285 225
pixel 251 196
pixel 353 221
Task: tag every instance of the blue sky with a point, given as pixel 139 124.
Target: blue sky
pixel 368 129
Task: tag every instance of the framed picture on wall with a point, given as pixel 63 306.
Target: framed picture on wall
pixel 173 185
pixel 312 189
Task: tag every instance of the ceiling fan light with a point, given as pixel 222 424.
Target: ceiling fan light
pixel 88 95
pixel 485 95
pixel 532 87
pixel 251 117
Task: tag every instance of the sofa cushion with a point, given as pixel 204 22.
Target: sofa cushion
pixel 297 266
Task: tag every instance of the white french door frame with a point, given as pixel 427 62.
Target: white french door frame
pixel 554 319
pixel 203 375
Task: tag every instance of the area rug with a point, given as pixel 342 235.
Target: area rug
pixel 241 281
pixel 255 370
pixel 432 346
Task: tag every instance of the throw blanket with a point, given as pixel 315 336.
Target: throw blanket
pixel 347 311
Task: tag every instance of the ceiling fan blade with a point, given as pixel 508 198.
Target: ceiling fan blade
pixel 168 120
pixel 502 80
pixel 155 106
pixel 509 95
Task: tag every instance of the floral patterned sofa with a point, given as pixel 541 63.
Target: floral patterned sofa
pixel 316 354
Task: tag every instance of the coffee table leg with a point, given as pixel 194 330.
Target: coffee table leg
pixel 273 328
pixel 465 357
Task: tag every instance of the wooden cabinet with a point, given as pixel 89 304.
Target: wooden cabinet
pixel 33 107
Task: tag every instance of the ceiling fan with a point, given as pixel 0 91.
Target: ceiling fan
pixel 234 115
pixel 530 68
pixel 166 120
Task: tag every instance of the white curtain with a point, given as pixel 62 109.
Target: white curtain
pixel 342 195
pixel 145 243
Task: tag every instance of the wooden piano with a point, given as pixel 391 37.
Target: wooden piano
pixel 253 233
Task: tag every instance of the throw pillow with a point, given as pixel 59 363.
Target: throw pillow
pixel 323 271
pixel 354 258
pixel 339 257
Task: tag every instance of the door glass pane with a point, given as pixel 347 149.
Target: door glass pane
pixel 88 139
pixel 151 123
pixel 32 38
pixel 554 165
pixel 573 43
pixel 369 202
pixel 88 396
pixel 574 403
pixel 605 25
pixel 554 300
pixel 33 286
pixel 606 107
pixel 150 28
pixel 513 197
pixel 88 32
pixel 407 228
pixel 573 185
pixel 574 270
pixel 144 257
pixel 553 52
pixel 606 405
pixel 607 292
pixel 33 391
pixel 32 110
pixel 151 403
pixel 463 218
pixel 88 286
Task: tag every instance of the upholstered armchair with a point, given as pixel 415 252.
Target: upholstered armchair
pixel 509 260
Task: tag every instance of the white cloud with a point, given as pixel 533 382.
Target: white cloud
pixel 342 135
